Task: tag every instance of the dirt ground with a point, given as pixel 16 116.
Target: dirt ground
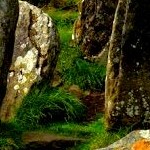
pixel 95 103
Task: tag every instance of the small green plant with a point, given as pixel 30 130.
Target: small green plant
pixel 85 74
pixel 74 69
pixel 47 105
pixel 10 136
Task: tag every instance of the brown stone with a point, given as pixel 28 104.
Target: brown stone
pixel 127 80
pixel 34 59
pixel 94 25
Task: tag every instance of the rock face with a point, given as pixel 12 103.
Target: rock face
pixel 127 81
pixel 93 28
pixel 35 56
pixel 9 11
pixel 136 140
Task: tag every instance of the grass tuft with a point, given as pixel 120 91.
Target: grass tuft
pixel 48 105
pixel 85 74
pixel 10 136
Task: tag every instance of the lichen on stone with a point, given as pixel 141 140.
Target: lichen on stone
pixel 16 87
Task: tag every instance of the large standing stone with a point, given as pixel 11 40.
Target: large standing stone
pixel 128 75
pixel 9 11
pixel 93 28
pixel 35 56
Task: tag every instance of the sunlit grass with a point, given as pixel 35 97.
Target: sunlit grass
pixel 86 75
pixel 94 133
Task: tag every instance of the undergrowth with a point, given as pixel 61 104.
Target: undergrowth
pixel 94 133
pixel 10 136
pixel 71 63
pixel 42 106
pixel 85 74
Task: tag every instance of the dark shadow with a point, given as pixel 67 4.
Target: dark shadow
pixel 8 23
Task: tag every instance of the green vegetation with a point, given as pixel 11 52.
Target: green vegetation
pixel 74 69
pixel 64 4
pixel 85 74
pixel 95 134
pixel 46 105
pixel 99 137
pixel 10 136
pixel 64 21
pixel 55 110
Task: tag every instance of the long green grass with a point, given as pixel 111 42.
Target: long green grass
pixel 64 21
pixel 85 74
pixel 46 105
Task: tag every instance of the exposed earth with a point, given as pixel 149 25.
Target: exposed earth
pixel 45 141
pixel 95 104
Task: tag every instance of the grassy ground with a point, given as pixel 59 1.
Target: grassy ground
pixel 93 132
pixel 71 63
pixel 38 105
pixel 64 21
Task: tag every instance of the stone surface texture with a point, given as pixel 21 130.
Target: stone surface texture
pixel 93 27
pixel 9 11
pixel 136 140
pixel 127 80
pixel 34 58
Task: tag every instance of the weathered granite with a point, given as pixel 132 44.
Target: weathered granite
pixel 9 11
pixel 127 80
pixel 136 140
pixel 34 59
pixel 93 27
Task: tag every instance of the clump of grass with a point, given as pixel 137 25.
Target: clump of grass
pixel 47 105
pixel 10 136
pixel 85 74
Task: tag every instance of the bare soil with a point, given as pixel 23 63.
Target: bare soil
pixel 95 103
pixel 45 141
